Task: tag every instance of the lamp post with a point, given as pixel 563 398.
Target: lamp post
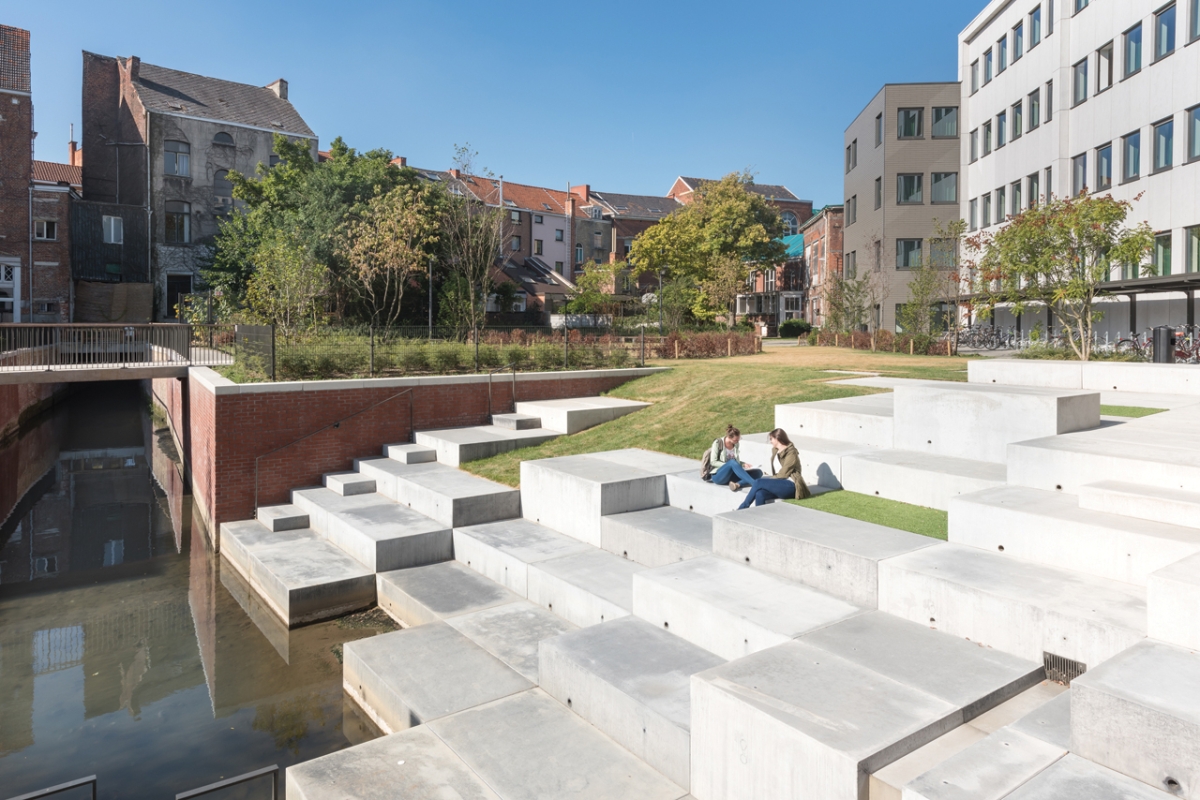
pixel 431 298
pixel 662 252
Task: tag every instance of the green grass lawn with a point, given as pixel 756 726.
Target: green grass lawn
pixel 915 519
pixel 1129 411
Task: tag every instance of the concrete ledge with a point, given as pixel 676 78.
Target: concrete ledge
pixel 1173 603
pixel 1073 778
pixel 572 415
pixel 865 420
pixel 455 446
pixel 657 536
pixel 1095 375
pixel 410 453
pixel 1026 372
pixel 586 588
pixel 503 551
pixel 688 492
pixel 512 633
pixel 988 770
pixel 1141 501
pixel 1148 452
pixel 921 479
pixel 438 591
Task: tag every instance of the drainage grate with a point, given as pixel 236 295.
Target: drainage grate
pixel 1062 670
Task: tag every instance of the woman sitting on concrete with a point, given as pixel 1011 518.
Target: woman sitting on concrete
pixel 725 459
pixel 787 482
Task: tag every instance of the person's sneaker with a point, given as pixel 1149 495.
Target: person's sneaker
pixel 734 486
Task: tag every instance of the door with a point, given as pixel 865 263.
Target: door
pixel 176 285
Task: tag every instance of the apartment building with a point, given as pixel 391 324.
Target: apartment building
pixel 901 161
pixel 1062 97
pixel 823 259
pixel 776 294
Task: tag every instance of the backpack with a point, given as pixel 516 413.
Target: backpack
pixel 706 468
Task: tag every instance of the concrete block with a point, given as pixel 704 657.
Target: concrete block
pixel 657 536
pixel 1050 722
pixel 1139 714
pixel 512 632
pixel 1015 709
pixel 888 783
pixel 573 415
pixel 299 575
pixel 649 460
pixel 455 446
pixel 516 422
pixel 1074 778
pixel 632 681
pixel 730 609
pixel 920 479
pixel 865 420
pixel 1152 455
pixel 838 555
pixel 569 494
pixel 530 746
pixel 1142 501
pixel 1025 372
pixel 409 677
pixel 686 491
pixel 586 588
pixel 1017 607
pixel 455 498
pixel 282 518
pixel 430 593
pixel 410 453
pixel 820 459
pixel 988 770
pixel 1135 377
pixel 1173 603
pixel 1050 528
pixel 348 483
pixel 504 550
pixel 414 764
pixel 978 422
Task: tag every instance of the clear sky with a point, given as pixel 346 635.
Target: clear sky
pixel 622 95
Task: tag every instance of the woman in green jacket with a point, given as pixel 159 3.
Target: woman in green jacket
pixel 787 483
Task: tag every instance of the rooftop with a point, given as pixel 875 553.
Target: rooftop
pixel 636 205
pixel 53 172
pixel 767 190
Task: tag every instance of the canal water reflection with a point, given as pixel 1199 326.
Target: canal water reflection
pixel 125 650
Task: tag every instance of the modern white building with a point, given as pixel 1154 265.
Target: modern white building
pixel 1066 96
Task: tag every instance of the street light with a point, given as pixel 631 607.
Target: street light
pixel 662 252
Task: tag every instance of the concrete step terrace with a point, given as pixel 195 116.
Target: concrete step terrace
pixel 920 479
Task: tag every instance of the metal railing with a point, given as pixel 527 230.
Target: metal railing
pixel 31 347
pixel 272 770
pixel 62 787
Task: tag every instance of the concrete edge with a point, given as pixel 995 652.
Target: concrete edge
pixel 219 385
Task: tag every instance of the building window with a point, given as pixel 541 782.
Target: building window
pixel 558 235
pixel 1080 5
pixel 579 254
pixel 598 240
pixel 987 137
pixel 1034 191
pixel 945 122
pixel 878 129
pixel 222 138
pixel 1164 145
pixel 45 230
pixel 537 219
pixel 1049 17
pixel 943 253
pixel 852 210
pixel 515 243
pixel 221 185
pixel 1049 101
pixel 114 230
pixel 1035 27
pixel 176 156
pixel 515 216
pixel 1001 129
pixel 1133 50
pixel 1079 75
pixel 274 160
pixel 1018 41
pixel 1035 109
pixel 944 186
pixel 1104 171
pixel 1002 55
pixel 1104 67
pixel 179 222
pixel 1079 174
pixel 1194 26
pixel 908 254
pixel 1193 129
pixel 909 125
pixel 974 76
pixel 852 155
pixel 1000 204
pixel 851 266
pixel 985 212
pixel 908 188
pixel 1014 199
pixel 1192 235
pixel 1162 254
pixel 878 192
pixel 1164 32
pixel 1049 184
pixel 791 225
pixel 974 145
pixel 974 214
pixel 1131 156
pixel 1017 113
pixel 987 67
pixel 537 247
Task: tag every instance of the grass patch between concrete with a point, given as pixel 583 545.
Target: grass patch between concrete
pixel 915 519
pixel 1129 411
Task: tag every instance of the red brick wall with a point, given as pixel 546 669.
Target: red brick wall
pixel 227 433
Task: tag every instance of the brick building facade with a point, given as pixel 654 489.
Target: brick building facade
pixel 822 259
pixel 16 169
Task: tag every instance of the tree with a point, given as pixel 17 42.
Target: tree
pixel 849 301
pixel 714 241
pixel 1058 254
pixel 595 290
pixel 386 246
pixel 506 294
pixel 286 283
pixel 919 316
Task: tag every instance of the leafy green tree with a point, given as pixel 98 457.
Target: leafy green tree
pixel 849 301
pixel 287 283
pixel 596 289
pixel 1059 254
pixel 919 316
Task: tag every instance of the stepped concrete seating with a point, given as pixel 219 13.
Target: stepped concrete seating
pixel 1050 722
pixel 301 576
pixel 585 588
pixel 657 536
pixel 865 420
pixel 1050 528
pixel 448 495
pixel 283 518
pixel 922 479
pixel 1176 379
pixel 503 551
pixel 837 555
pixel 512 632
pixel 631 680
pixel 820 459
pixel 1173 603
pixel 516 422
pixel 978 422
pixel 989 770
pixel 816 716
pixel 571 493
pixel 1018 607
pixel 1139 714
pixel 379 533
pixel 689 492
pixel 1074 778
pixel 431 593
pixel 412 676
pixel 455 446
pixel 1141 501
pixel 575 414
pixel 410 453
pixel 730 609
pixel 348 484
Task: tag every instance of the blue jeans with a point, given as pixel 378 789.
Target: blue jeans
pixel 730 469
pixel 765 489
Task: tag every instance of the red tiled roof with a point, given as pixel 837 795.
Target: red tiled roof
pixel 53 172
pixel 537 199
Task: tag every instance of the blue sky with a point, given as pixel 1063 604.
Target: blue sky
pixel 621 95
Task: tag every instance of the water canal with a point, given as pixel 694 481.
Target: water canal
pixel 125 651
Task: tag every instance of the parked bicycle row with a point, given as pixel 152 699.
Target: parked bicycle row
pixel 1136 345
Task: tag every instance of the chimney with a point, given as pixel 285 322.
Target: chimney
pixel 400 161
pixel 454 173
pixel 74 154
pixel 134 67
pixel 279 87
pixel 582 191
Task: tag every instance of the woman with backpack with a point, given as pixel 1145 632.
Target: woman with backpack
pixel 785 484
pixel 724 461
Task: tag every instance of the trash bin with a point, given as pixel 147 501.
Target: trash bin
pixel 1164 345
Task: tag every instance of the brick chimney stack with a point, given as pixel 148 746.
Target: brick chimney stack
pixel 583 191
pixel 134 67
pixel 279 87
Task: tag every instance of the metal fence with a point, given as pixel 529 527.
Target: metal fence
pixel 26 347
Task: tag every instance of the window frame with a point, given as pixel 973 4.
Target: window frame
pixel 1035 109
pixel 1104 181
pixel 1192 120
pixel 217 139
pixel 1035 26
pixel 919 251
pixel 1104 77
pixel 1018 114
pixel 975 76
pixel 47 225
pixel 973 151
pixel 920 188
pixel 1001 203
pixel 112 229
pixel 973 214
pixel 1157 251
pixel 1001 129
pixel 1168 122
pixel 1080 5
pixel 852 210
pixel 985 210
pixel 934 122
pixel 539 246
pixel 172 218
pixel 933 188
pixel 1033 189
pixel 1079 174
pixel 221 179
pixel 1079 82
pixel 879 193
pixel 987 138
pixel 1191 261
pixel 1139 43
pixel 1135 138
pixel 514 242
pixel 177 163
pixel 1174 11
pixel 1018 38
pixel 920 116
pixel 1014 198
pixel 1002 54
pixel 1193 21
pixel 879 129
pixel 1048 116
pixel 537 219
pixel 987 67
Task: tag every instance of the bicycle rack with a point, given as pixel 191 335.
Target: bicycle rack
pixel 62 787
